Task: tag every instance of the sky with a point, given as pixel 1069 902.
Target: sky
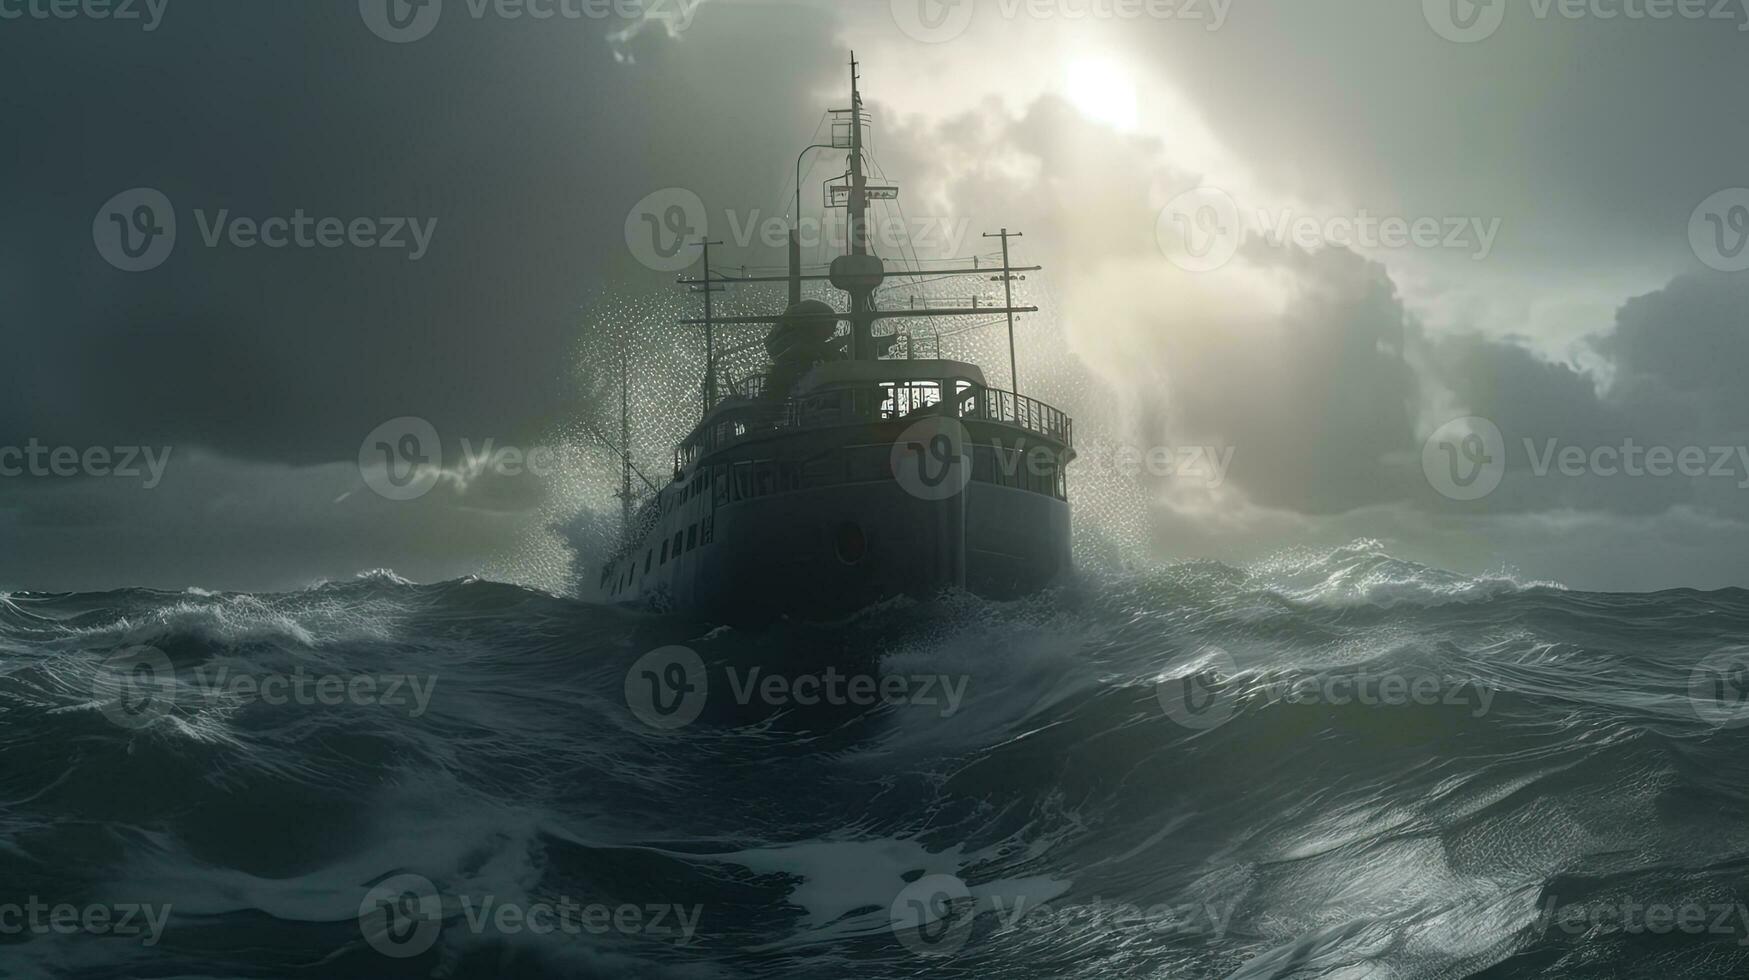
pixel 1460 279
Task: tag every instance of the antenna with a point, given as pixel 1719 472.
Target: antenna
pixel 857 272
pixel 1007 278
pixel 710 354
pixel 858 182
pixel 625 440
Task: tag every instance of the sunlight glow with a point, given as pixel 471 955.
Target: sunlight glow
pixel 1102 90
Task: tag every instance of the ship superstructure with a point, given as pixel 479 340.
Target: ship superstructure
pixel 849 469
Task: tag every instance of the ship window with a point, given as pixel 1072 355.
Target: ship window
pixel 899 400
pixel 692 537
pixel 651 553
pixel 679 538
pixel 664 551
pixel 721 487
pixel 984 464
pixel 790 476
pixel 709 532
pixel 1040 474
pixel 765 480
pixel 743 481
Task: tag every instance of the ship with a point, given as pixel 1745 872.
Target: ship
pixel 857 465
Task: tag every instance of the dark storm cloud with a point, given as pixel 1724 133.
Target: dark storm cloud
pixel 519 145
pixel 1671 378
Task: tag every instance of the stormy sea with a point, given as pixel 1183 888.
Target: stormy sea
pixel 1327 765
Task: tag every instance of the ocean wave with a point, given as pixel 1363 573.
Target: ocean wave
pixel 1336 763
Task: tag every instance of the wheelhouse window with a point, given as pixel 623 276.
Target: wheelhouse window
pixel 901 398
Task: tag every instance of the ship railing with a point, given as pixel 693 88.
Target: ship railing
pixel 1008 408
pixel 847 406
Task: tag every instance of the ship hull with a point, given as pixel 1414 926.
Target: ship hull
pixel 787 556
pixel 739 545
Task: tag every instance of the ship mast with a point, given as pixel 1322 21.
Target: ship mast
pixel 858 203
pixel 625 441
pixel 858 272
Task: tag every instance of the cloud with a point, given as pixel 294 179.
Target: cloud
pixel 1312 368
pixel 1322 369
